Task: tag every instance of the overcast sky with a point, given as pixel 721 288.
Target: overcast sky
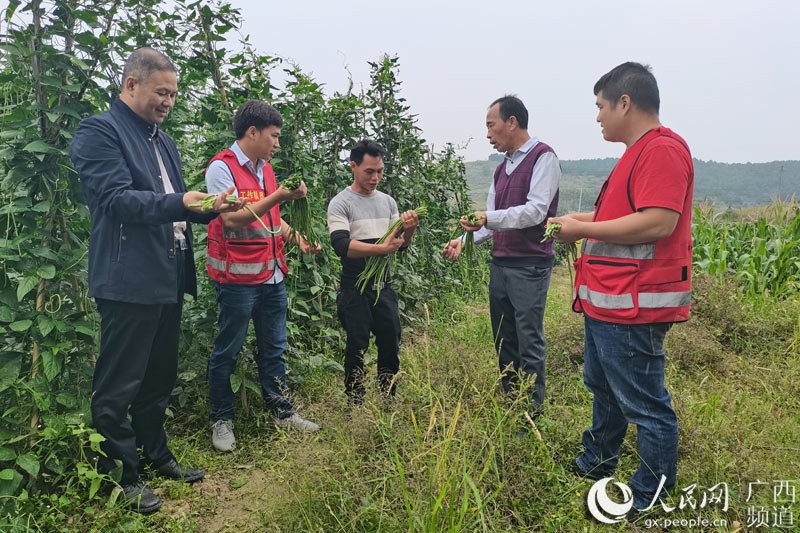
pixel 728 71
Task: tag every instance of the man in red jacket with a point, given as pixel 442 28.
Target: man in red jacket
pixel 633 281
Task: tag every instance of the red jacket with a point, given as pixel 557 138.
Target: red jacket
pixel 248 255
pixel 650 282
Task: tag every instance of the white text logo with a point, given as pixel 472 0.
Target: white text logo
pixel 604 508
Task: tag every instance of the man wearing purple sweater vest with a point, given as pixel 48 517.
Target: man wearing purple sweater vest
pixel 522 196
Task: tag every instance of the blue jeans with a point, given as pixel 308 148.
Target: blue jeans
pixel 517 298
pixel 624 369
pixel 266 304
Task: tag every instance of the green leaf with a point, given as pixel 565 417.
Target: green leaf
pixel 67 400
pixel 46 325
pixel 20 325
pixel 83 329
pixel 29 464
pixel 47 271
pixel 252 385
pixel 7 454
pixel 6 314
pixel 86 16
pixel 96 437
pixel 44 253
pixel 9 373
pixel 51 364
pixel 7 297
pixel 25 286
pixel 72 111
pixel 236 382
pixel 39 147
pixel 12 7
pixel 42 207
pixel 94 487
pixel 238 483
pixel 10 480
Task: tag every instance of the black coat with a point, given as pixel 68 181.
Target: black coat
pixel 131 248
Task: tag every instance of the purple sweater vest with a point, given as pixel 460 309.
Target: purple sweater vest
pixel 511 191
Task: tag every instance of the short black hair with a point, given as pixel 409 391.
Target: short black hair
pixel 144 61
pixel 635 80
pixel 366 147
pixel 255 113
pixel 511 106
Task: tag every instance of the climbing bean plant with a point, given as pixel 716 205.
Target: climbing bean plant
pixel 60 62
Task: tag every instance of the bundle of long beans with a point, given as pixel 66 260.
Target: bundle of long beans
pixel 572 248
pixel 468 249
pixel 300 213
pixel 378 265
pixel 208 203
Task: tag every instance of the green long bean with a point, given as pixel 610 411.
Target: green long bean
pixel 468 249
pixel 300 213
pixel 378 265
pixel 572 248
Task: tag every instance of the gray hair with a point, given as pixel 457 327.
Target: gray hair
pixel 143 62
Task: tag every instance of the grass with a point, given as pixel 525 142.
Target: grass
pixel 445 456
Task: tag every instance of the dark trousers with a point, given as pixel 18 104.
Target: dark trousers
pixel 134 375
pixel 517 299
pixel 360 314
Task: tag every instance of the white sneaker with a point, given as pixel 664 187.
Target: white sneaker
pixel 295 421
pixel 222 436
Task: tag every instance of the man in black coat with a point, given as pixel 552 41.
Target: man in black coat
pixel 140 265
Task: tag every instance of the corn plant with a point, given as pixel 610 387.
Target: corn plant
pixel 764 255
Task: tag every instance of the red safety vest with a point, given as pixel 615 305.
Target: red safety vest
pixel 639 283
pixel 248 255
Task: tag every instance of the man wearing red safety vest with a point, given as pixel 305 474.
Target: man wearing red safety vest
pixel 245 260
pixel 633 281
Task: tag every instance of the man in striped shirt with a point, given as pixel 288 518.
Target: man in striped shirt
pixel 357 217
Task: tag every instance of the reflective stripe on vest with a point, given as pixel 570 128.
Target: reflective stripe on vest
pixel 622 251
pixel 652 300
pixel 216 264
pixel 647 300
pixel 250 233
pixel 240 268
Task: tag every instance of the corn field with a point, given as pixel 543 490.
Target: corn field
pixel 764 254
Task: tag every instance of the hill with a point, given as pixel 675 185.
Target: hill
pixel 728 185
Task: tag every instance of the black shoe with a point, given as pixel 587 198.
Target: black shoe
pixel 140 498
pixel 173 470
pixel 593 475
pixel 632 515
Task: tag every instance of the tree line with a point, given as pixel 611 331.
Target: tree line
pixel 727 185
